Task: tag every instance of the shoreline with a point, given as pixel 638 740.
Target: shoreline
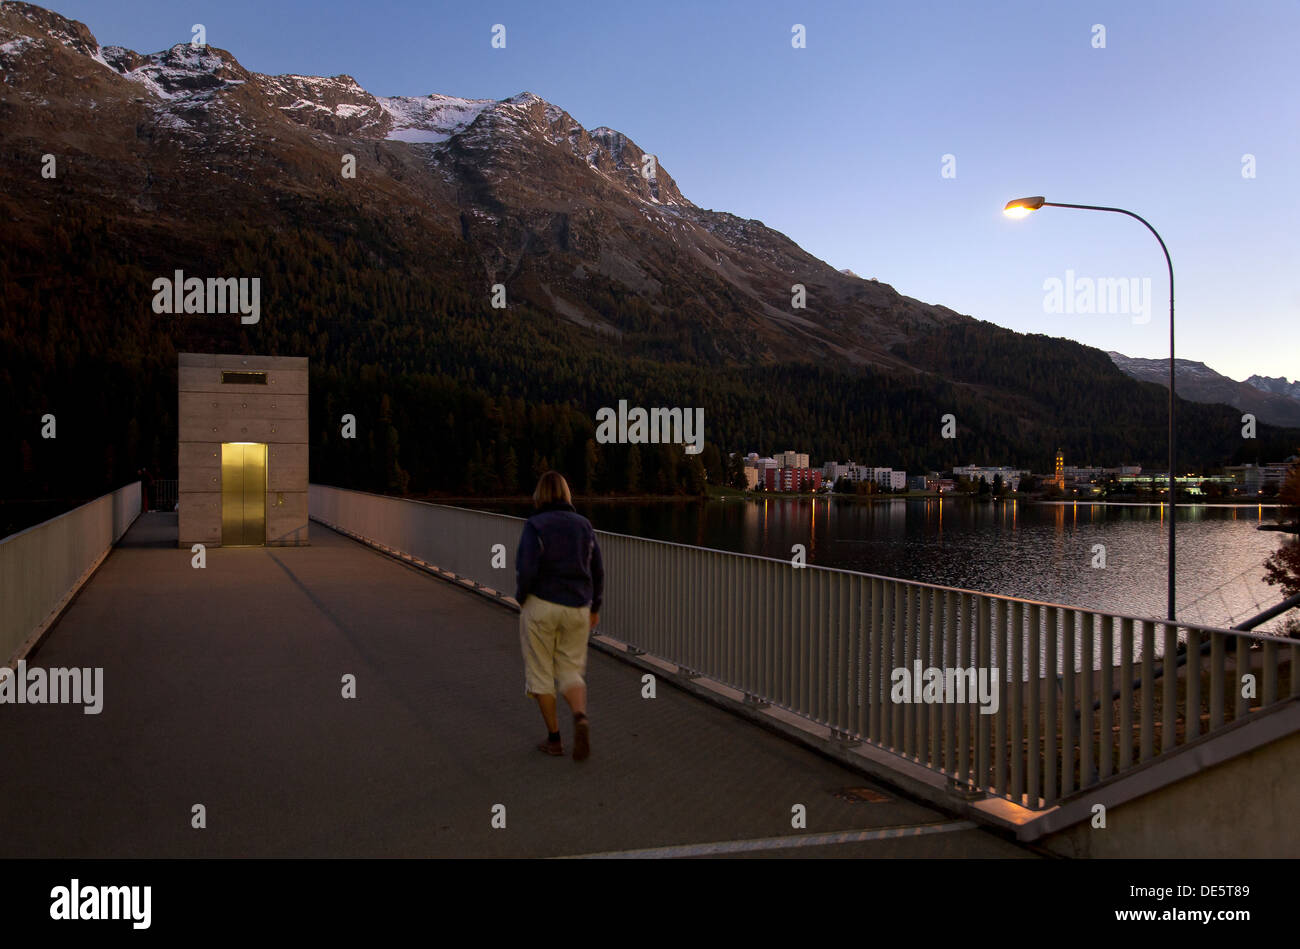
pixel 867 498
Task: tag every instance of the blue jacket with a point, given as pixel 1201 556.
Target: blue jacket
pixel 559 560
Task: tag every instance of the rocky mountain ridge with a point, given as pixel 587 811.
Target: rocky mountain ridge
pixel 1199 383
pixel 554 210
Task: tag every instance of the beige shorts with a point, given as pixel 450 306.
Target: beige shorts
pixel 554 643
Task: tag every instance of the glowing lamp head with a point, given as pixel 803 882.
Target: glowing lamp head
pixel 1022 206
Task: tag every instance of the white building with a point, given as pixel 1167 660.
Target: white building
pixel 832 471
pixel 1010 476
pixel 887 479
pixel 1254 477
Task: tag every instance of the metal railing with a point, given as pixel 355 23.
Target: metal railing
pixel 163 494
pixel 1077 697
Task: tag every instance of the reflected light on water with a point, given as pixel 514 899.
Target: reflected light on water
pixel 955 542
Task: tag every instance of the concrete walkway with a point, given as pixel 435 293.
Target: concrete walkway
pixel 222 687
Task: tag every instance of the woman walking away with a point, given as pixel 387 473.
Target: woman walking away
pixel 560 579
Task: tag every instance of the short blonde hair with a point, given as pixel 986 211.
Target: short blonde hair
pixel 552 487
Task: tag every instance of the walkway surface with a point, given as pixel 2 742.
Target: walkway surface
pixel 223 687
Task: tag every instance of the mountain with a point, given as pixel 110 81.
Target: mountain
pixel 552 209
pixel 1277 385
pixel 378 229
pixel 1199 383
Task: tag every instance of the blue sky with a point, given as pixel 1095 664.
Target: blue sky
pixel 840 145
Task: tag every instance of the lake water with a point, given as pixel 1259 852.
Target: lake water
pixel 1038 551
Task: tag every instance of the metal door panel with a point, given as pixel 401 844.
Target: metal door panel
pixel 243 494
pixel 254 495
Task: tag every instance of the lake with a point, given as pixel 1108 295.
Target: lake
pixel 1039 551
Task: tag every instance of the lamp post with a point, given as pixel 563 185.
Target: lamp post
pixel 1020 207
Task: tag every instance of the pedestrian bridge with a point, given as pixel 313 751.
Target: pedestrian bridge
pixel 775 727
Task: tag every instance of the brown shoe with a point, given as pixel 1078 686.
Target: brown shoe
pixel 581 738
pixel 553 748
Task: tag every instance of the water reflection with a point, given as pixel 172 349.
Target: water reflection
pixel 1037 551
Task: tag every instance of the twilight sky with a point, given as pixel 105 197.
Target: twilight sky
pixel 841 145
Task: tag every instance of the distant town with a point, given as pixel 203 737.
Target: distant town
pixel 790 472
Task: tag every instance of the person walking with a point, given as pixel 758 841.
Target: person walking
pixel 560 580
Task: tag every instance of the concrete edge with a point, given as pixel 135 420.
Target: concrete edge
pixel 906 778
pixel 1237 738
pixel 46 626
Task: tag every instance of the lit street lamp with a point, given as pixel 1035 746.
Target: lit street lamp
pixel 1022 207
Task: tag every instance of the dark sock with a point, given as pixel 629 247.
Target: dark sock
pixel 552 737
pixel 580 716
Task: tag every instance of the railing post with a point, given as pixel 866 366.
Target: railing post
pixel 1105 729
pixel 839 658
pixel 965 657
pixel 1086 774
pixel 827 646
pixel 788 670
pixel 876 701
pixel 899 628
pixel 909 654
pixel 1015 676
pixel 1127 645
pixel 1036 753
pixel 1192 709
pixel 1268 694
pixel 1051 685
pixel 922 709
pixel 997 681
pixel 1169 701
pixel 1147 698
pixel 859 651
pixel 1217 673
pixel 1243 667
pixel 950 660
pixel 936 659
pixel 983 661
pixel 1069 710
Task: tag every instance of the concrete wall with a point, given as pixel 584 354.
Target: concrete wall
pixel 1248 806
pixel 212 412
pixel 42 567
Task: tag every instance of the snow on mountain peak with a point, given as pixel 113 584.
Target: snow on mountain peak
pixel 185 72
pixel 430 119
pixel 186 82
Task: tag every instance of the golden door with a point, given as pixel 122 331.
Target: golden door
pixel 243 494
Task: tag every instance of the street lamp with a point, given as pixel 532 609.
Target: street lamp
pixel 1021 207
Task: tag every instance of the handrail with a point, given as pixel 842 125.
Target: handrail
pixel 1289 603
pixel 858 573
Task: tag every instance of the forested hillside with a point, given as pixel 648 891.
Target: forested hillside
pixel 618 287
pixel 453 396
